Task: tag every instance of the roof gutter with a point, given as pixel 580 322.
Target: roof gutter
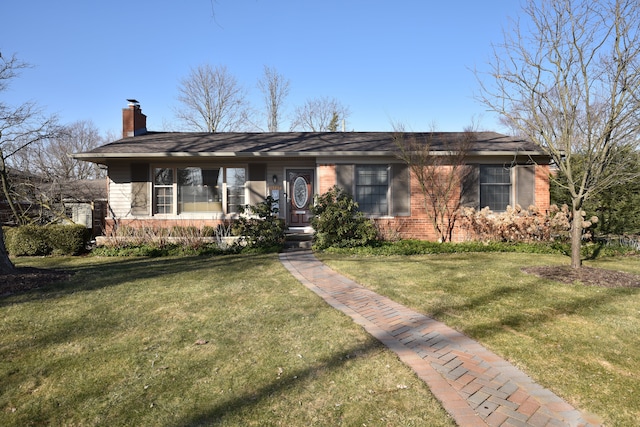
pixel 92 157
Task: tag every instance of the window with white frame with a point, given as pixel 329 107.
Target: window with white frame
pixel 163 190
pixel 495 187
pixel 198 189
pixel 236 179
pixel 372 188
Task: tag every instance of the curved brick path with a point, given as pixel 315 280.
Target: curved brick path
pixel 475 386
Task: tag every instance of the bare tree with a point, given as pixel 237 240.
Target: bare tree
pixel 19 127
pixel 440 173
pixel 275 89
pixel 211 100
pixel 320 115
pixel 51 158
pixel 569 81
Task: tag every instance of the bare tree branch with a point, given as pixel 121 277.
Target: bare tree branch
pixel 212 100
pixel 320 115
pixel 275 89
pixel 570 82
pixel 20 127
pixel 439 175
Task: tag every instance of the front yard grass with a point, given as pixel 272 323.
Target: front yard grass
pixel 228 341
pixel 581 342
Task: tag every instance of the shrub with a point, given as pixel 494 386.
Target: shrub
pixel 68 239
pixel 36 240
pixel 27 240
pixel 423 247
pixel 154 250
pixel 260 227
pixel 338 222
pixel 521 225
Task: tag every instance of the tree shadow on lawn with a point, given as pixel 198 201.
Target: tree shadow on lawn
pixel 294 379
pixel 522 316
pixel 101 274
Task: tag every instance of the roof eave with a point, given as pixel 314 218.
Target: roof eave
pixel 94 157
pixel 105 156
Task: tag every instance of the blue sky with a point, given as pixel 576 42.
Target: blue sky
pixel 406 61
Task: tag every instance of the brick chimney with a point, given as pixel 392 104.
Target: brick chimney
pixel 134 123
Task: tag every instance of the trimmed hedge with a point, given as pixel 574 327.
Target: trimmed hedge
pixel 421 247
pixel 36 240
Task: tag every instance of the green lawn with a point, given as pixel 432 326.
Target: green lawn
pixel 229 341
pixel 581 342
pixel 118 344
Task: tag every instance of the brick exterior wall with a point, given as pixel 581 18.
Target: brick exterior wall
pixel 416 226
pixel 133 121
pixel 326 177
pixel 542 196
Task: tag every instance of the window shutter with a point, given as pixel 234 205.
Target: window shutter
pixel 470 186
pixel 525 185
pixel 257 183
pixel 345 175
pixel 400 190
pixel 140 189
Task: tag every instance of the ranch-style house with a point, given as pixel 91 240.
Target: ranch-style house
pixel 162 179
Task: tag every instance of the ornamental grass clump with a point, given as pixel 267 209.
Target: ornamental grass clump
pixel 153 241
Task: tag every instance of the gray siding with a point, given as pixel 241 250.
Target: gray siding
pixel 120 190
pixel 256 184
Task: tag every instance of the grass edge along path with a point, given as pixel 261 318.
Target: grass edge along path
pixel 473 384
pixel 231 340
pixel 580 342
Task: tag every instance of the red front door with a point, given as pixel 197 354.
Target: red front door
pixel 300 197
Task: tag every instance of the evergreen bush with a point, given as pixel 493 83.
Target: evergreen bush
pixel 338 222
pixel 261 227
pixel 37 240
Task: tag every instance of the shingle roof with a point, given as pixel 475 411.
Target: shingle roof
pixel 170 144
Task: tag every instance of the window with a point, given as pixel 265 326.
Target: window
pixel 236 179
pixel 372 185
pixel 195 189
pixel 495 187
pixel 199 190
pixel 163 190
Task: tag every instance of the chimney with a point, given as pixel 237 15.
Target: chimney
pixel 134 123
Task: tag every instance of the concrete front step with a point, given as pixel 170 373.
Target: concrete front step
pixel 298 238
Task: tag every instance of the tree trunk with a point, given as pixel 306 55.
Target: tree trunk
pixel 6 266
pixel 576 238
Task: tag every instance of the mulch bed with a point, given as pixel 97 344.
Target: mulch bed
pixel 588 276
pixel 28 278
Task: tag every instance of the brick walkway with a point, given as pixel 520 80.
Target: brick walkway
pixel 475 386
